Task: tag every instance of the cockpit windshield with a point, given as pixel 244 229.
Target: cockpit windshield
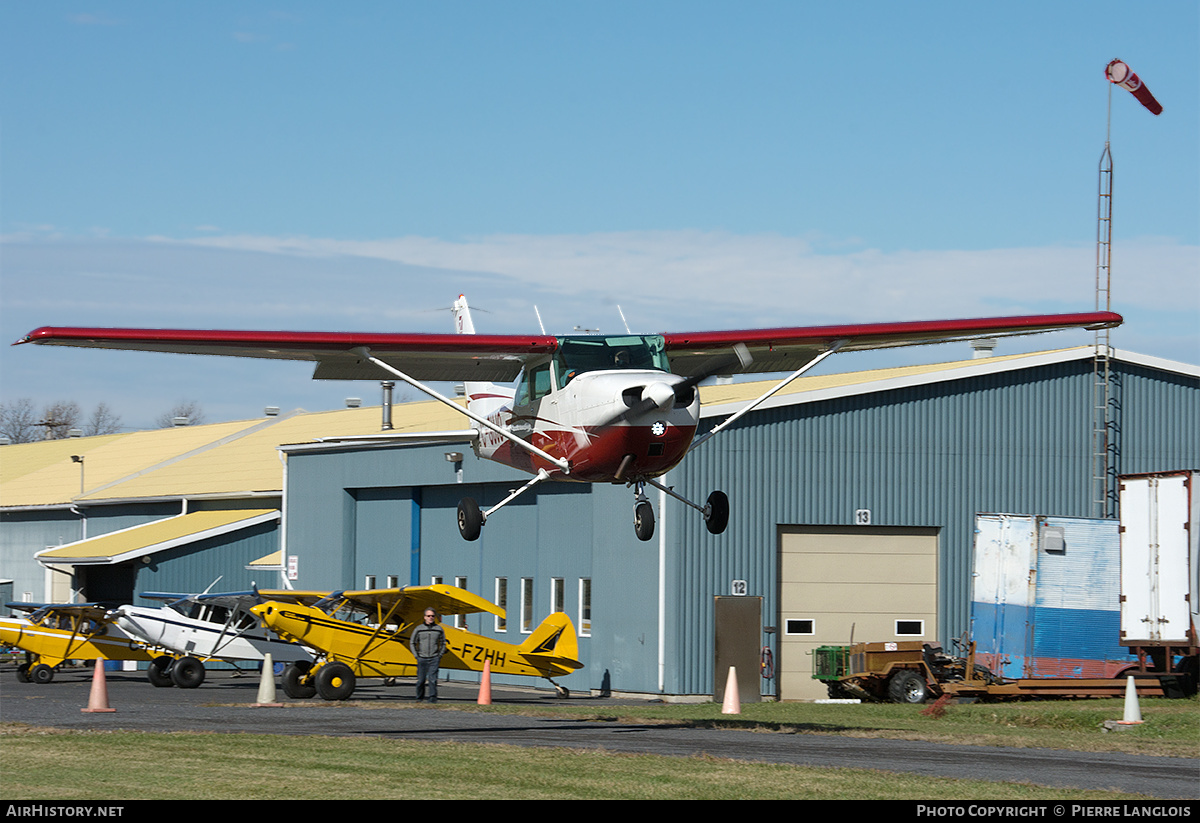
pixel 595 353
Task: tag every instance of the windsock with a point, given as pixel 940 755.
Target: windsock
pixel 1118 72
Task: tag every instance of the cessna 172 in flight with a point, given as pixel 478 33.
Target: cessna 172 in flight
pixel 585 407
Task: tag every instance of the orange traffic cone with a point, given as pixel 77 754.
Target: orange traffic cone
pixel 732 704
pixel 485 685
pixel 98 699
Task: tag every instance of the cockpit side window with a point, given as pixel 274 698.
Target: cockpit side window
pixel 536 383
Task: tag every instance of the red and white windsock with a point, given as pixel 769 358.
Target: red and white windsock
pixel 1119 72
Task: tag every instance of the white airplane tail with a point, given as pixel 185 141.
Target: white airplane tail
pixel 462 316
pixel 482 398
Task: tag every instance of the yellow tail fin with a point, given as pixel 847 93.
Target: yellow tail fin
pixel 554 642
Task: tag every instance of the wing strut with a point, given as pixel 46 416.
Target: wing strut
pixel 831 350
pixel 421 387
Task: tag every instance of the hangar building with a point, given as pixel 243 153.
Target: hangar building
pixel 854 501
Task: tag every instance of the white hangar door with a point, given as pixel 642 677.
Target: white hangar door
pixel 866 582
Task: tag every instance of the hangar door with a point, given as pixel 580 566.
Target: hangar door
pixel 837 583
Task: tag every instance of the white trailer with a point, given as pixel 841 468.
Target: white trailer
pixel 1160 569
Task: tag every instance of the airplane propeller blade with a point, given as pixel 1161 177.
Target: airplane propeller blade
pixel 662 395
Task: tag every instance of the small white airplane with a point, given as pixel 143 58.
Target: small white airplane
pixel 199 628
pixel 585 407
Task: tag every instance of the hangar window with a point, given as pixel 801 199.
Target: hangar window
pixel 460 620
pixel 502 602
pixel 910 628
pixel 800 626
pixel 369 582
pixel 557 595
pixel 585 607
pixel 526 605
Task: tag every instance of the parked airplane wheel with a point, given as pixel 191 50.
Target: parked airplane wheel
pixel 159 671
pixel 643 520
pixel 335 681
pixel 906 686
pixel 716 513
pixel 41 674
pixel 470 519
pixel 294 685
pixel 187 672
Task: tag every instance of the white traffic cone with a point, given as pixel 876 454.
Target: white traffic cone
pixel 731 705
pixel 266 683
pixel 1133 711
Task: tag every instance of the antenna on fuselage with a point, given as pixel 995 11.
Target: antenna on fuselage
pixel 623 320
pixel 539 317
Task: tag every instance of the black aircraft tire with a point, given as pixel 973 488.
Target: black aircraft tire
pixel 293 681
pixel 159 672
pixel 335 681
pixel 716 516
pixel 41 674
pixel 187 673
pixel 470 519
pixel 643 521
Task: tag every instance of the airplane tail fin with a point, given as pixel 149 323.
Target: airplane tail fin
pixel 462 316
pixel 553 645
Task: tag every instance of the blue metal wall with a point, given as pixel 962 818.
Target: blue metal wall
pixel 928 456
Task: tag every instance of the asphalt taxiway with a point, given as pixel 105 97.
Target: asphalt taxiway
pixel 228 703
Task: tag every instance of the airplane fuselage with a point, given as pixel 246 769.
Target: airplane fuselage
pixel 166 627
pixel 607 405
pixel 383 652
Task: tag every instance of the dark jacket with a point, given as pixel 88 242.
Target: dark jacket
pixel 428 641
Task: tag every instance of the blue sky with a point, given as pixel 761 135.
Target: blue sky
pixel 698 164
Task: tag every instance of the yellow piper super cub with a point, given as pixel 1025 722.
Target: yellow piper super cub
pixel 56 632
pixel 378 647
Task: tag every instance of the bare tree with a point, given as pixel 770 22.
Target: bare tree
pixel 59 418
pixel 103 421
pixel 18 421
pixel 187 409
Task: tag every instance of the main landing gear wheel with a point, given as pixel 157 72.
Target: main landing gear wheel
pixel 41 674
pixel 643 520
pixel 159 672
pixel 470 519
pixel 716 512
pixel 335 681
pixel 294 684
pixel 188 673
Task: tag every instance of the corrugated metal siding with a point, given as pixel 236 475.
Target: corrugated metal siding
pixel 932 455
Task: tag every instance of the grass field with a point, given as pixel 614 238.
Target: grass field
pixel 70 765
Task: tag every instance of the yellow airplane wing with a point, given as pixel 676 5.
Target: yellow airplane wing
pixel 405 604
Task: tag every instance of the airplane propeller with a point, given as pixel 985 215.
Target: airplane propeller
pixel 662 395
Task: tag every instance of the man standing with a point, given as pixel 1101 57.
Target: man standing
pixel 428 644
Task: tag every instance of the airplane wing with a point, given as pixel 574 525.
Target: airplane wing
pixel 788 349
pixel 231 600
pixel 499 358
pixel 410 602
pixel 86 611
pixel 488 358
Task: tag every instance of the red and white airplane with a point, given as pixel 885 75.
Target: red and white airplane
pixel 585 407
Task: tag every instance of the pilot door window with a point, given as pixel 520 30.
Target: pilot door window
pixel 535 384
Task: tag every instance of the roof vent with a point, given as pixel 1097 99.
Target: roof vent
pixel 983 348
